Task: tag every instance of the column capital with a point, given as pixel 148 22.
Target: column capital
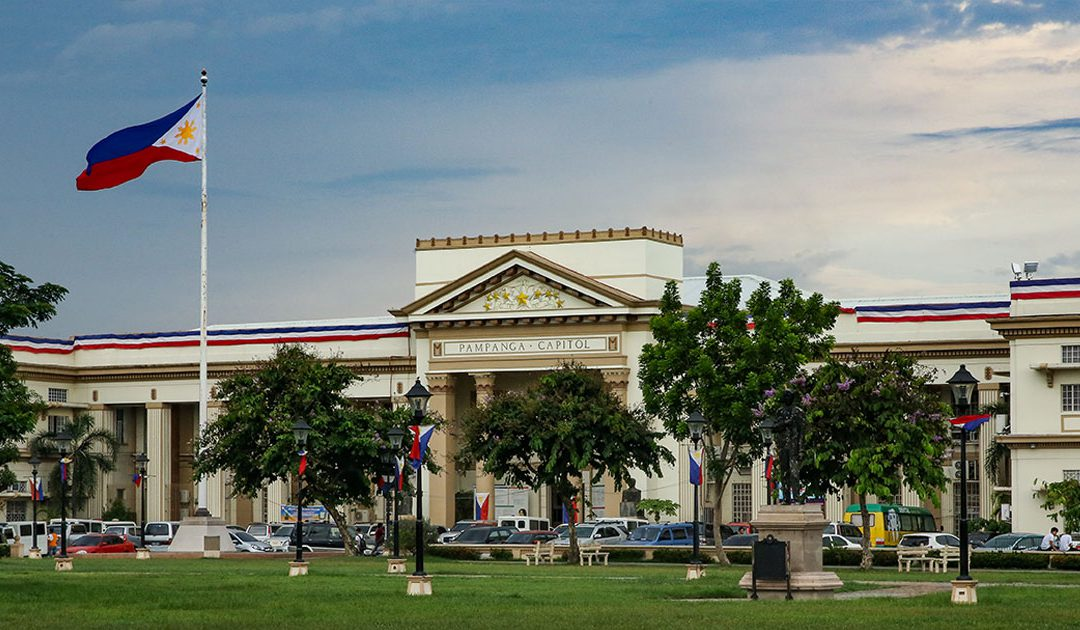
pixel 440 383
pixel 155 405
pixel 96 407
pixel 485 386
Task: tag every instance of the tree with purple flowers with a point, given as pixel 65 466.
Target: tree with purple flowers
pixel 873 426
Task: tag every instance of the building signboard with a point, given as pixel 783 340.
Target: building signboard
pixel 522 346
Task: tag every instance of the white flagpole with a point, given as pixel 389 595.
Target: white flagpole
pixel 204 389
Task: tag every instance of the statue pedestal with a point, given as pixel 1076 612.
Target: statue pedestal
pixel 963 592
pixel 395 565
pixel 801 526
pixel 695 571
pixel 63 564
pixel 193 532
pixel 34 553
pixel 297 569
pixel 419 585
pixel 142 554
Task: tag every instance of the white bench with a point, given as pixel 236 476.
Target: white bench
pixel 916 555
pixel 590 553
pixel 541 552
pixel 948 554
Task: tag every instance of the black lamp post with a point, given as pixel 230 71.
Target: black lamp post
pixel 696 425
pixel 418 397
pixel 963 385
pixel 300 431
pixel 141 460
pixel 63 444
pixel 386 458
pixel 767 428
pixel 34 461
pixel 395 435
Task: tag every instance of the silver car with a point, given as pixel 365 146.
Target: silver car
pixel 595 533
pixel 244 541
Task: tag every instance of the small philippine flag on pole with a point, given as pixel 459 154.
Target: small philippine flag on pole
pixel 421 436
pixel 969 423
pixel 399 469
pixel 137 478
pixel 126 154
pixel 303 462
pixel 697 470
pixel 482 502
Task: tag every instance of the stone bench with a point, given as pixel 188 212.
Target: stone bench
pixel 590 553
pixel 916 555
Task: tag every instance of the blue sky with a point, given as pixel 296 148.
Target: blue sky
pixel 862 148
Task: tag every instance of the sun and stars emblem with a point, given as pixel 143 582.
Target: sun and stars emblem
pixel 522 295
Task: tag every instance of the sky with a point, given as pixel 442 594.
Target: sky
pixel 864 149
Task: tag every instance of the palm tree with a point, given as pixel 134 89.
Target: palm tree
pixel 92 450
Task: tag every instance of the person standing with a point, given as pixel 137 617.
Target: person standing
pixel 380 535
pixel 1049 541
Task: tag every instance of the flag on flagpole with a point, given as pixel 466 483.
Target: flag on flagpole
pixel 40 490
pixel 697 470
pixel 421 436
pixel 481 504
pixel 64 469
pixel 126 154
pixel 34 496
pixel 137 478
pixel 303 462
pixel 399 469
pixel 769 467
pixel 969 423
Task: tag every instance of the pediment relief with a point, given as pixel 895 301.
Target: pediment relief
pixel 524 293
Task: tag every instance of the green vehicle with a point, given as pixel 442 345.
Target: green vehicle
pixel 889 521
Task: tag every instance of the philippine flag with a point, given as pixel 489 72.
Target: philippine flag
pixel 421 437
pixel 481 503
pixel 969 423
pixel 35 494
pixel 137 478
pixel 697 470
pixel 126 154
pixel 399 467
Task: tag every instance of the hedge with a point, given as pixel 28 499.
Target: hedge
pixel 678 556
pixel 1008 560
pixel 452 553
pixel 5 551
pixel 626 555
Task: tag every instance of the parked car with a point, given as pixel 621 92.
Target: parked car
pixel 847 530
pixel 741 527
pixel 261 531
pixel 461 526
pixel 741 540
pixel 321 536
pixel 837 541
pixel 1016 541
pixel 367 531
pixel 280 539
pixel 530 537
pixel 525 523
pixel 483 535
pixel 235 528
pixel 976 539
pixel 100 543
pixel 161 532
pixel 244 541
pixel 628 524
pixel 662 534
pixel 933 540
pixel 602 533
pixel 559 529
pixel 130 532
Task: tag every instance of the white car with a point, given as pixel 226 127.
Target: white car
pixel 837 541
pixel 629 524
pixel 594 533
pixel 244 541
pixel 933 540
pixel 279 540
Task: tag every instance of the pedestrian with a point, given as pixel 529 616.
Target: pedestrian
pixel 1065 542
pixel 1049 541
pixel 380 535
pixel 52 543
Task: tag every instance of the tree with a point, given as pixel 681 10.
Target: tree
pixel 658 507
pixel 253 439
pixel 872 426
pixel 92 451
pixel 1063 496
pixel 21 305
pixel 549 434
pixel 707 358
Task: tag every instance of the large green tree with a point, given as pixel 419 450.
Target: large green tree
pixel 873 426
pixel 21 305
pixel 253 439
pixel 549 434
pixel 92 452
pixel 710 359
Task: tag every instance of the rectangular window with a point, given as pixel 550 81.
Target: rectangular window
pixel 1070 398
pixel 742 502
pixel 118 426
pixel 1070 475
pixel 16 511
pixel 598 499
pixel 57 423
pixel 1070 354
pixel 972 500
pixel 57 395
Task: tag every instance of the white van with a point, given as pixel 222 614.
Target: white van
pixel 24 531
pixel 160 533
pixel 628 523
pixel 525 523
pixel 91 526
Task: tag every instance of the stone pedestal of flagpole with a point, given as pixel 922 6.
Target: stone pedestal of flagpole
pixel 193 531
pixel 35 553
pixel 963 592
pixel 695 571
pixel 297 569
pixel 419 585
pixel 142 553
pixel 63 564
pixel 800 526
pixel 395 565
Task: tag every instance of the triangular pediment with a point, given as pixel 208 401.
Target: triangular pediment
pixel 520 282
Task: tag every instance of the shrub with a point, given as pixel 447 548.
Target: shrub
pixel 677 556
pixel 451 552
pixel 626 555
pixel 1007 560
pixel 841 557
pixel 5 551
pixel 884 558
pixel 1066 562
pixel 117 511
pixel 502 554
pixel 739 556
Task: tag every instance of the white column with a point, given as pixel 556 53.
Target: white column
pixel 96 505
pixel 276 495
pixel 215 484
pixel 758 488
pixel 159 468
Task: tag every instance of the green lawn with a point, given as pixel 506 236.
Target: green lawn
pixel 346 592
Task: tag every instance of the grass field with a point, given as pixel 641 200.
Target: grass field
pixel 357 592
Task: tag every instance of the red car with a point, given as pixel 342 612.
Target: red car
pixel 100 543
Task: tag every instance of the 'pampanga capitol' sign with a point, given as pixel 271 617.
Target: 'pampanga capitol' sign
pixel 525 345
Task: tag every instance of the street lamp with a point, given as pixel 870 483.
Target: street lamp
pixel 418 396
pixel 767 429
pixel 300 431
pixel 696 425
pixel 35 551
pixel 63 444
pixel 141 460
pixel 395 436
pixel 386 459
pixel 963 384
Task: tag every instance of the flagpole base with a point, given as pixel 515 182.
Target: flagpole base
pixel 419 585
pixel 34 553
pixel 142 554
pixel 63 564
pixel 695 571
pixel 964 592
pixel 395 565
pixel 297 569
